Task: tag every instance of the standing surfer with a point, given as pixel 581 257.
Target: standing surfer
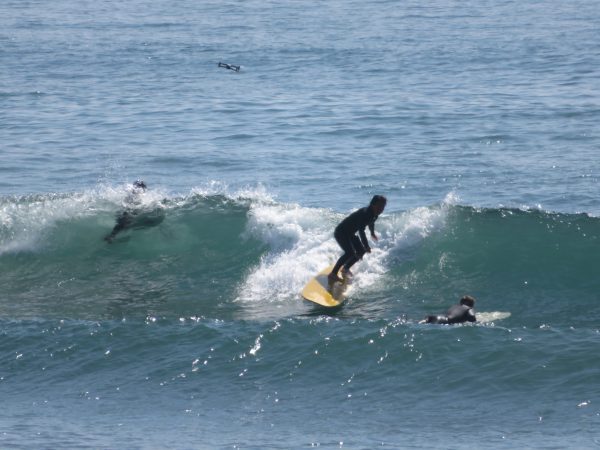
pixel 345 235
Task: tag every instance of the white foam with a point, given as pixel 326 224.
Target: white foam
pixel 25 220
pixel 211 188
pixel 301 243
pixel 123 196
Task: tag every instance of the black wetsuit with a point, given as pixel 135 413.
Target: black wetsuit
pixel 456 314
pixel 345 235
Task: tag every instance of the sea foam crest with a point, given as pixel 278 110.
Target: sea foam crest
pixel 301 244
pixel 398 234
pixel 213 188
pixel 25 220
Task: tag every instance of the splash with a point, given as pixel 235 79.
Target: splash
pixel 301 244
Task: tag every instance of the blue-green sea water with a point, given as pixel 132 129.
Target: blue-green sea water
pixel 477 119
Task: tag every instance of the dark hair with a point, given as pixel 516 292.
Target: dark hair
pixel 377 199
pixel 139 184
pixel 468 300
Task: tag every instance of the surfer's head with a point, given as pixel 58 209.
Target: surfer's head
pixel 378 203
pixel 467 300
pixel 139 184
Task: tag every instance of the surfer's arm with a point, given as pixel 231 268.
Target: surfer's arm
pixel 363 240
pixel 372 230
pixel 471 316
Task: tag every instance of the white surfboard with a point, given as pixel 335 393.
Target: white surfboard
pixel 493 316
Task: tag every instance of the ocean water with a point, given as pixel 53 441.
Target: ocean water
pixel 478 121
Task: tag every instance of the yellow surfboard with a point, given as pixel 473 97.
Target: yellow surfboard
pixel 321 291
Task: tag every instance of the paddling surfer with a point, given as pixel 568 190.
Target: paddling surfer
pixel 459 313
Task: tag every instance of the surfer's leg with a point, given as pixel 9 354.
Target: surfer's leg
pixel 357 254
pixel 345 243
pixel 443 320
pixel 123 221
pixel 333 276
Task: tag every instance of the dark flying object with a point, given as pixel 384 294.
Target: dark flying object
pixel 229 66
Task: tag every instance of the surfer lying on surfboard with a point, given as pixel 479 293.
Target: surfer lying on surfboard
pixel 345 235
pixel 463 312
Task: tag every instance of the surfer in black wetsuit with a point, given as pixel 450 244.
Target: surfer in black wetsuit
pixel 130 216
pixel 463 312
pixel 345 235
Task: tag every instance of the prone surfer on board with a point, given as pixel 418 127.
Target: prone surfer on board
pixel 345 235
pixel 462 312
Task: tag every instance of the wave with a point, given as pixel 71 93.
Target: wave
pixel 245 255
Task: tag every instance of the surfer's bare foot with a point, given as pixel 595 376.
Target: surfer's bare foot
pixel 332 277
pixel 346 273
